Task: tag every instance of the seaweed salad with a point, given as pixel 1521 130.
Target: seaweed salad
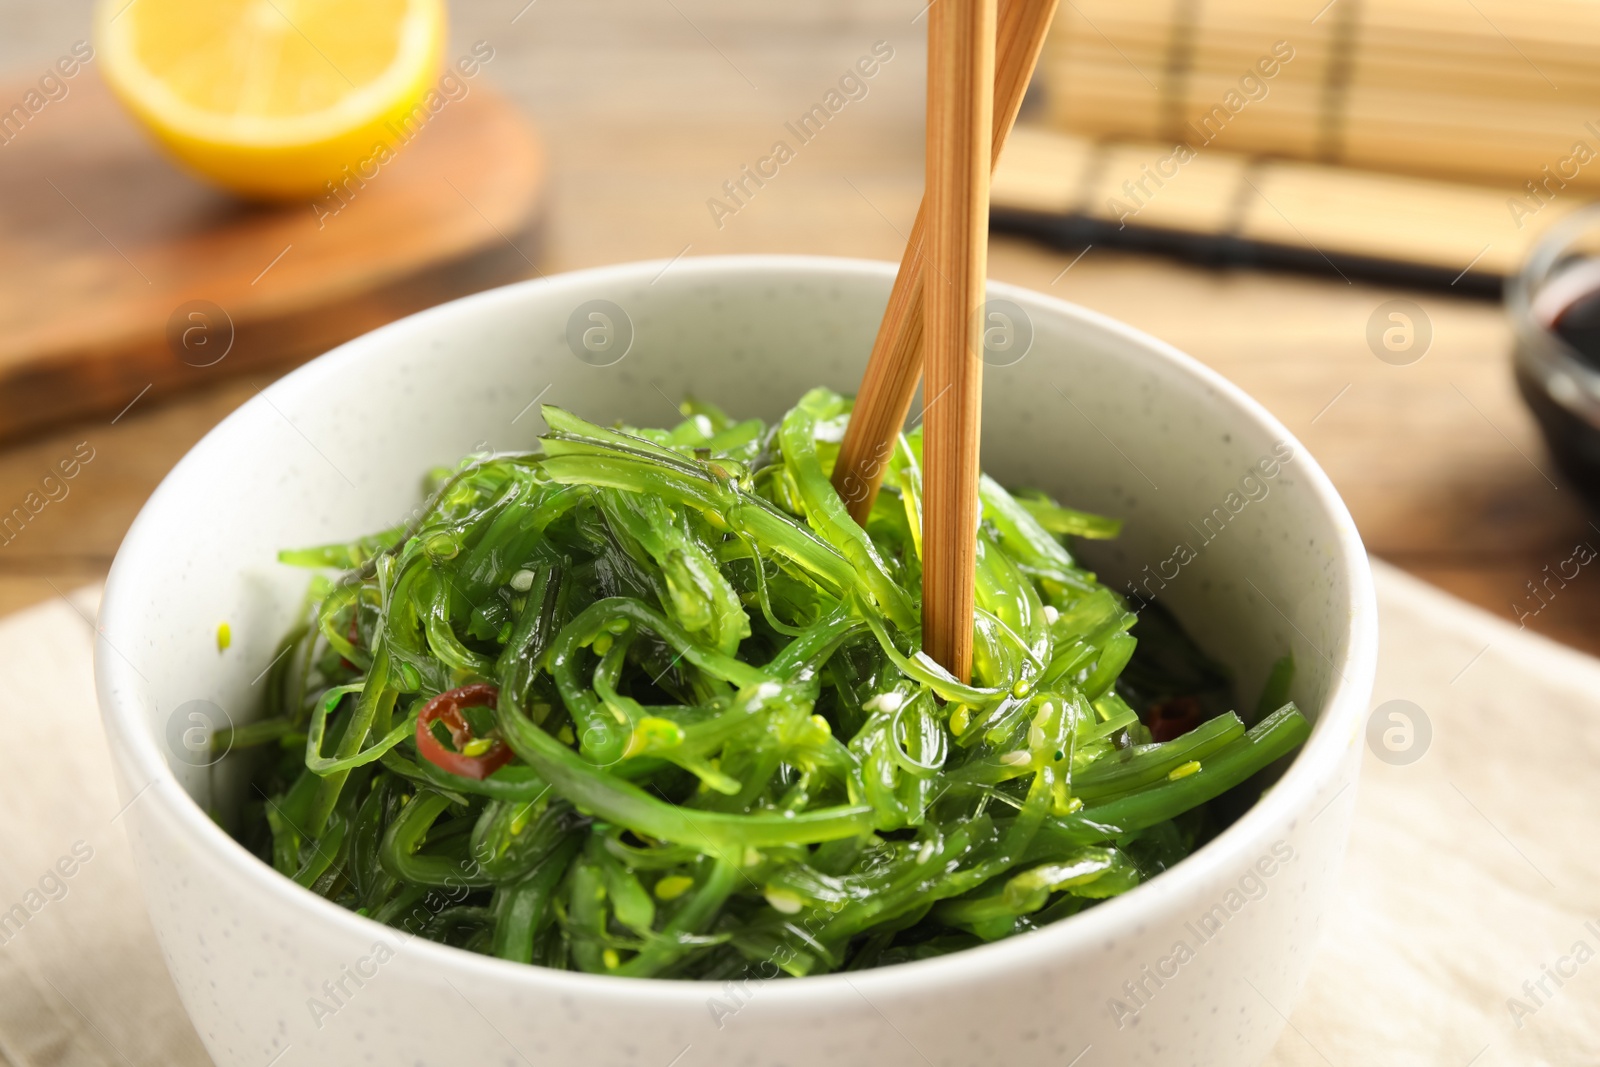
pixel 648 702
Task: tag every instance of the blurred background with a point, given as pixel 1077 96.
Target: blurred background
pixel 1320 200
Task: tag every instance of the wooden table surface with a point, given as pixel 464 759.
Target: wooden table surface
pixel 648 106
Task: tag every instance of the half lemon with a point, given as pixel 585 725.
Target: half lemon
pixel 273 99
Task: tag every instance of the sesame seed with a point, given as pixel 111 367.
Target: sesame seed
pixel 889 702
pixel 1183 770
pixel 784 900
pixel 960 719
pixel 673 886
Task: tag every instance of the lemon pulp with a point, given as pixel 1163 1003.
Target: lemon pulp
pixel 272 98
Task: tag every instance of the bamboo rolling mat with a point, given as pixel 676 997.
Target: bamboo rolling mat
pixel 1410 140
pixel 1226 208
pixel 1492 90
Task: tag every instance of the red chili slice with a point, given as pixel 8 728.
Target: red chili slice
pixel 354 634
pixel 446 708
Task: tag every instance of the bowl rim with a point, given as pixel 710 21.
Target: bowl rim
pixel 1314 768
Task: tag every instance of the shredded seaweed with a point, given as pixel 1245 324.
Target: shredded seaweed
pixel 648 702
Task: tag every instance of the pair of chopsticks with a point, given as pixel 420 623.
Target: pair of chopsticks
pixel 980 60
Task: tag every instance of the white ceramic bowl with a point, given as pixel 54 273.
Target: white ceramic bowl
pixel 1198 966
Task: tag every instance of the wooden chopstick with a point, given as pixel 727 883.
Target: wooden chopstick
pixel 895 365
pixel 956 205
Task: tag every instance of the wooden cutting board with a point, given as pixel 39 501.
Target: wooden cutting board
pixel 124 279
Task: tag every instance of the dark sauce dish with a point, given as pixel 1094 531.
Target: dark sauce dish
pixel 1554 304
